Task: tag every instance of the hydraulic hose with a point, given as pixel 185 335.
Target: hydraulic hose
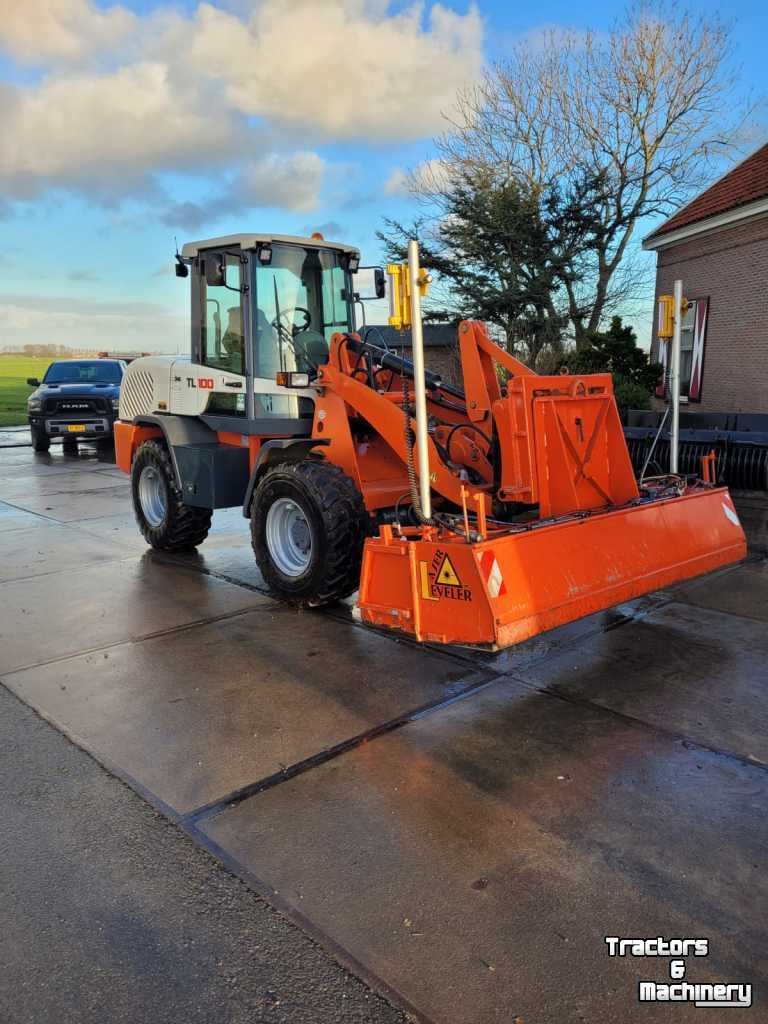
pixel 413 483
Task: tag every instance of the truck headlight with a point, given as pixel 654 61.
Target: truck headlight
pixel 34 404
pixel 115 405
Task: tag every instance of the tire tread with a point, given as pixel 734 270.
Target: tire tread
pixel 187 527
pixel 346 525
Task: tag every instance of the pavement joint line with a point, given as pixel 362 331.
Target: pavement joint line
pixel 128 641
pixel 28 511
pixel 718 611
pixel 674 734
pixel 290 911
pixel 391 636
pixel 279 903
pixel 101 758
pixel 58 572
pixel 211 810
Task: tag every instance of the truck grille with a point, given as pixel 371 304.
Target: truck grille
pixel 73 406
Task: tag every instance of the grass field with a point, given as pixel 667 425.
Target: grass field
pixel 14 389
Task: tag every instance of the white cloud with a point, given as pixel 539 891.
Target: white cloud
pixel 34 30
pixel 218 90
pixel 397 182
pixel 106 133
pixel 286 181
pixel 428 176
pixel 343 67
pixel 291 183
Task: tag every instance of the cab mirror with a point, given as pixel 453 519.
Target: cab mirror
pixel 371 284
pixel 213 268
pixel 33 382
pixel 379 282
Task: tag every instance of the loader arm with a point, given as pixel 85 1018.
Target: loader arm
pixel 387 419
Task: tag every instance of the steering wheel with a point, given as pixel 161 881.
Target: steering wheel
pixel 294 327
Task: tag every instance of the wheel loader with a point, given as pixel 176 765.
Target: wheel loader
pixel 479 514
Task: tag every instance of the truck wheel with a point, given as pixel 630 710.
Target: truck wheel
pixel 164 520
pixel 308 524
pixel 40 440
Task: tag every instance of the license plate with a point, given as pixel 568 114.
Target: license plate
pixel 75 428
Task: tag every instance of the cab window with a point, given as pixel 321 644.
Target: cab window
pixel 223 337
pixel 300 303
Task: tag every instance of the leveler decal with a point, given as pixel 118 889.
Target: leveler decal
pixel 440 580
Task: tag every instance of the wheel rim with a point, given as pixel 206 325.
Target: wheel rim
pixel 152 496
pixel 289 538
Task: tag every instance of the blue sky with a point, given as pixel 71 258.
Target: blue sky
pixel 124 125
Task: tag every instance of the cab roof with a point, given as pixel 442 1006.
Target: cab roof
pixel 191 249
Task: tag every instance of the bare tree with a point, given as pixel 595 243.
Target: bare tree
pixel 641 113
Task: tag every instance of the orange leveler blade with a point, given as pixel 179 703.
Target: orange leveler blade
pixel 521 581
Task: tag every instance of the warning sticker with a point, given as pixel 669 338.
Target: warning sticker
pixel 440 580
pixel 447 574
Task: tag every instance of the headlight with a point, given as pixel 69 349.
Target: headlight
pixel 34 404
pixel 115 404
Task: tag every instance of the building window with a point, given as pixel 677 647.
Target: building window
pixel 693 335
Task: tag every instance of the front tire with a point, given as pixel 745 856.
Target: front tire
pixel 40 440
pixel 308 524
pixel 164 520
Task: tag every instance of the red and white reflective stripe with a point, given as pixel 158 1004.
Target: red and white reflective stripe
pixel 491 571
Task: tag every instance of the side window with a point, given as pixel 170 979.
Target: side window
pixel 335 305
pixel 686 349
pixel 223 339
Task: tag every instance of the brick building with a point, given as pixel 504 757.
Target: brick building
pixel 718 246
pixel 441 353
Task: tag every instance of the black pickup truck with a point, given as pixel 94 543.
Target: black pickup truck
pixel 76 399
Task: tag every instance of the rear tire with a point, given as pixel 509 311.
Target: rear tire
pixel 40 441
pixel 308 524
pixel 164 520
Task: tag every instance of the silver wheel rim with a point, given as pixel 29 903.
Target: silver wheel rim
pixel 289 538
pixel 152 496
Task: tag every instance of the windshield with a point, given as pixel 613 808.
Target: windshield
pixel 91 371
pixel 300 304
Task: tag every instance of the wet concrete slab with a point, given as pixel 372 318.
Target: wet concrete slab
pixel 13 518
pixel 79 505
pixel 753 512
pixel 34 552
pixel 742 591
pixel 17 489
pixel 118 530
pixel 200 713
pixel 49 617
pixel 691 670
pixel 14 435
pixel 85 458
pixel 476 858
pixel 226 551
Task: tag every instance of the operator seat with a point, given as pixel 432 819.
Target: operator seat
pixel 312 350
pixel 233 341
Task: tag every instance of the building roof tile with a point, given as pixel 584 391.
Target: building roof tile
pixel 745 183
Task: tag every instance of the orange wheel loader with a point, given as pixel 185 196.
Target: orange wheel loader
pixel 478 515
